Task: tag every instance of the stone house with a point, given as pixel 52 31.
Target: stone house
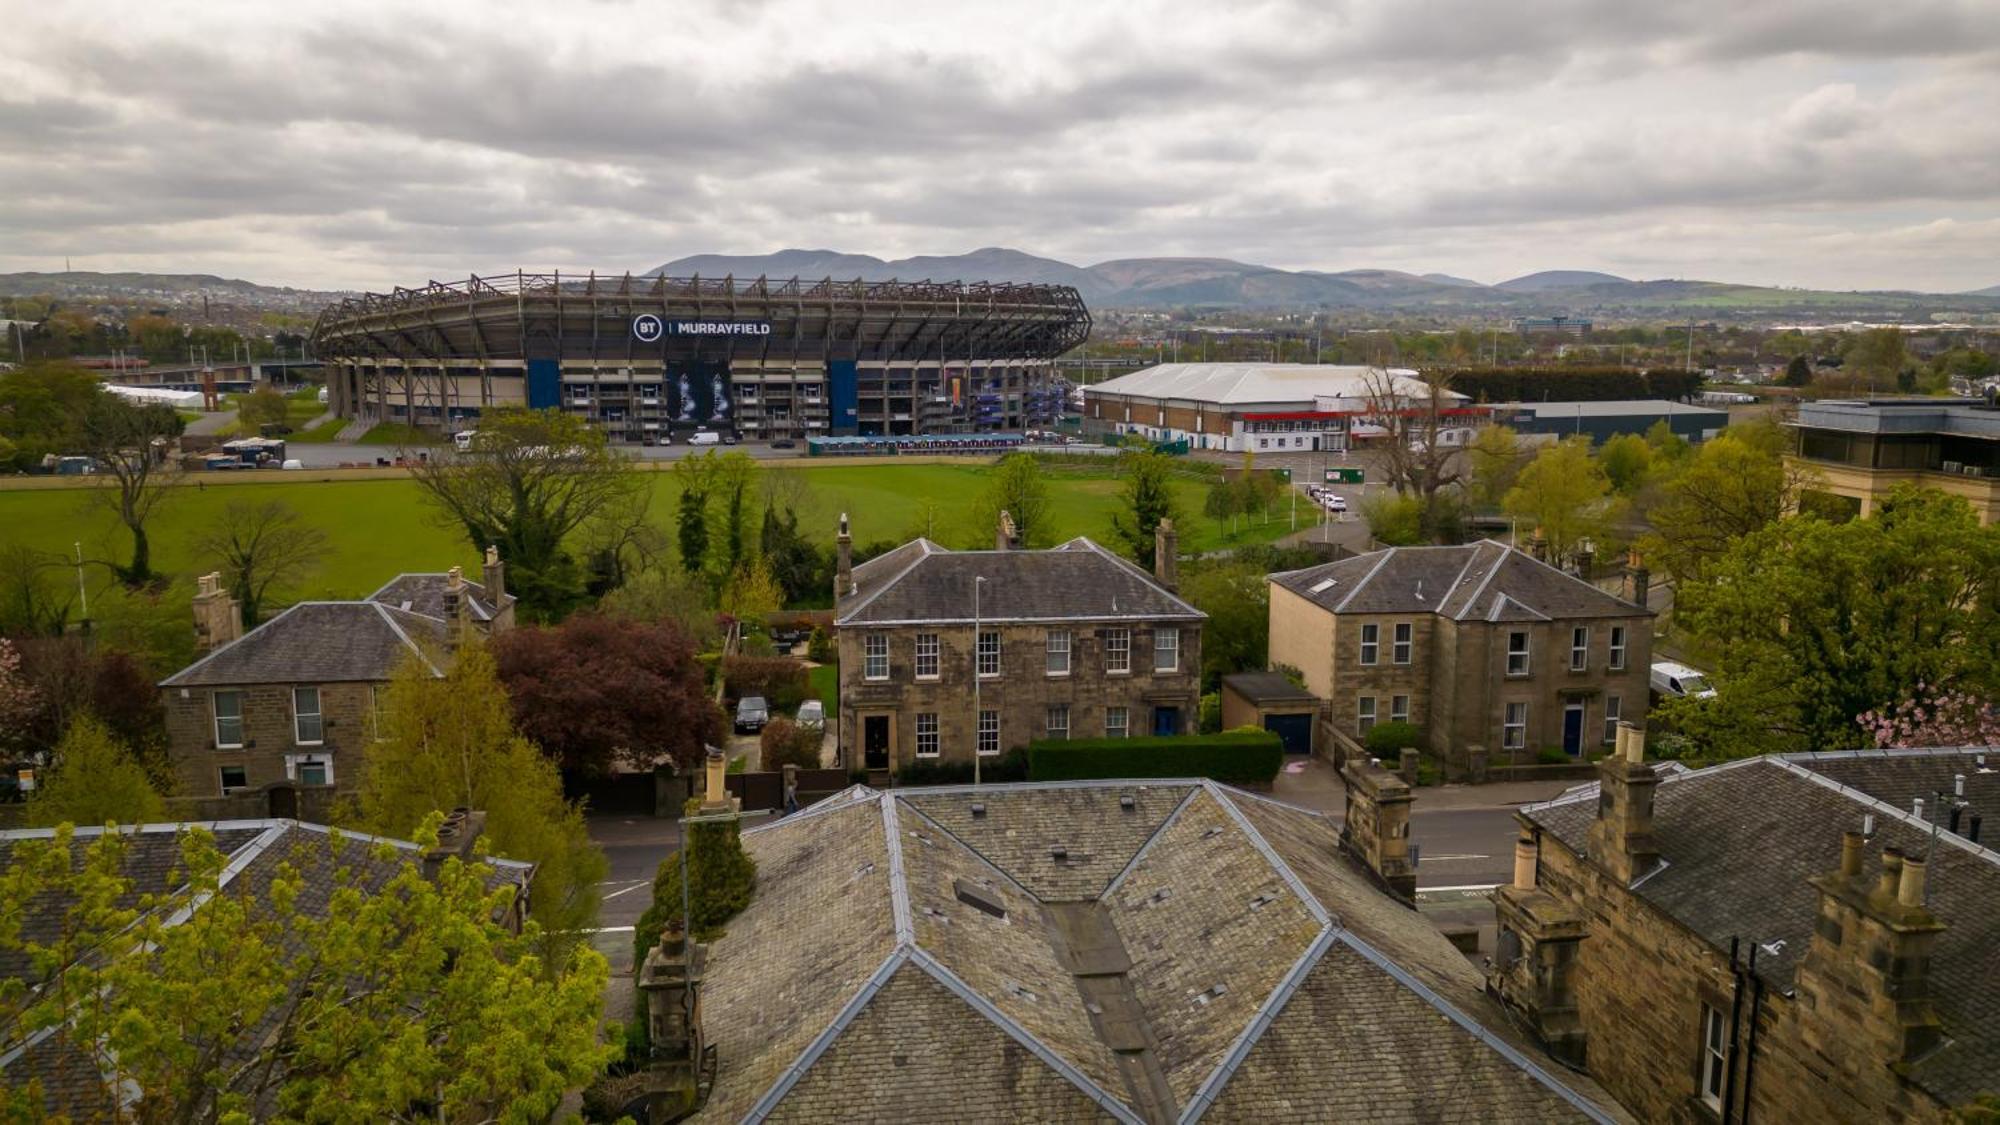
pixel 1785 938
pixel 295 699
pixel 1073 642
pixel 1494 654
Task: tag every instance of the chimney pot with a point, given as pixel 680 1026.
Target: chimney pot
pixel 1910 891
pixel 1851 844
pixel 1892 873
pixel 1635 743
pixel 1524 863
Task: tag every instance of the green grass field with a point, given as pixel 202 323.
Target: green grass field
pixel 379 528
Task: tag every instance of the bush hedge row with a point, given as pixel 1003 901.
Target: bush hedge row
pixel 1238 757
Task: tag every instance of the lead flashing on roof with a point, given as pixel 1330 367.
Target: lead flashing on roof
pixel 899 892
pixel 1312 904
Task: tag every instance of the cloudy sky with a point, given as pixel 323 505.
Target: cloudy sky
pixel 1827 143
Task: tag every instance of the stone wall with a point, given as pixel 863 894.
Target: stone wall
pixel 268 734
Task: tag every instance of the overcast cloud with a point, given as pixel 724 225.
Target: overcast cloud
pixel 1841 144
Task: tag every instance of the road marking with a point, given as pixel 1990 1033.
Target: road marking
pixel 1468 887
pixel 627 890
pixel 1436 858
pixel 610 930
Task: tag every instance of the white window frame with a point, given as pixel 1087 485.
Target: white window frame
pixel 1714 1044
pixel 1053 730
pixel 1057 649
pixel 1118 652
pixel 216 717
pixel 926 658
pixel 1399 708
pixel 1365 713
pixel 222 786
pixel 980 740
pixel 1371 644
pixel 1579 648
pixel 927 734
pixel 294 761
pixel 318 716
pixel 1618 648
pixel 1523 655
pixel 1513 731
pixel 875 656
pixel 980 652
pixel 1612 706
pixel 1167 639
pixel 1403 643
pixel 1122 728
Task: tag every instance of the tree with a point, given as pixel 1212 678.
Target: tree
pixel 1626 460
pixel 1814 623
pixel 93 780
pixel 693 527
pixel 1416 460
pixel 262 407
pixel 1933 716
pixel 752 595
pixel 1014 486
pixel 1221 504
pixel 597 692
pixel 19 701
pixel 1876 357
pixel 1565 494
pixel 448 741
pixel 1396 521
pixel 37 593
pixel 533 479
pixel 1734 484
pixel 1237 634
pixel 1146 498
pixel 1495 456
pixel 42 406
pixel 1798 372
pixel 386 996
pixel 803 572
pixel 129 444
pixel 667 595
pixel 259 547
pixel 1669 448
pixel 71 679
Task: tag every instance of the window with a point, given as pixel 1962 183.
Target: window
pixel 1117 722
pixel 1117 651
pixel 1058 652
pixel 1714 1057
pixel 1514 732
pixel 1059 721
pixel 1399 708
pixel 1400 654
pixel 1517 654
pixel 989 732
pixel 228 718
pixel 1166 650
pixel 1579 648
pixel 1611 709
pixel 927 656
pixel 1371 643
pixel 1618 648
pixel 875 656
pixel 927 734
pixel 989 654
pixel 309 769
pixel 233 779
pixel 307 727
pixel 1364 712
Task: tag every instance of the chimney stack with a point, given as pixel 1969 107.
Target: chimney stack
pixel 1533 969
pixel 1005 537
pixel 1621 838
pixel 843 549
pixel 454 608
pixel 1864 983
pixel 1166 555
pixel 715 798
pixel 1376 829
pixel 670 981
pixel 1638 580
pixel 1538 545
pixel 218 620
pixel 493 576
pixel 457 838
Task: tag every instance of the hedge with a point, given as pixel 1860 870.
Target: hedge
pixel 1011 766
pixel 1237 757
pixel 1391 738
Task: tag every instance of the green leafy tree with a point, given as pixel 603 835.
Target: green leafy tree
pixel 752 595
pixel 262 407
pixel 1495 455
pixel 42 406
pixel 1814 624
pixel 666 594
pixel 1798 372
pixel 1221 504
pixel 1237 633
pixel 399 998
pixel 94 779
pixel 447 742
pixel 1016 486
pixel 1565 493
pixel 802 570
pixel 1626 460
pixel 1145 498
pixel 134 472
pixel 259 547
pixel 1734 484
pixel 1395 521
pixel 1669 448
pixel 693 528
pixel 1876 357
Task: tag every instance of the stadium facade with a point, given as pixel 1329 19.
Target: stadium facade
pixel 645 357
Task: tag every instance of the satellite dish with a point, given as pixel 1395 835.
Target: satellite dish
pixel 1509 947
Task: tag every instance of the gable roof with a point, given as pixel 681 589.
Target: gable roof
pixel 1740 840
pixel 318 642
pixel 1483 581
pixel 423 592
pixel 1184 945
pixel 1077 581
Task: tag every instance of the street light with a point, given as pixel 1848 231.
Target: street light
pixel 978 716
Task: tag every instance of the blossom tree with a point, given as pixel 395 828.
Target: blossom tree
pixel 1934 716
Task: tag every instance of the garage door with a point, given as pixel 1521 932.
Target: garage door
pixel 1295 730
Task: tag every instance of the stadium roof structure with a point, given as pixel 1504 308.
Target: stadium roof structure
pixel 589 315
pixel 1230 384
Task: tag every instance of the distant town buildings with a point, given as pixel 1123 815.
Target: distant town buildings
pixel 1561 325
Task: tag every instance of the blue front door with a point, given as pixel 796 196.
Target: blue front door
pixel 1573 729
pixel 1166 720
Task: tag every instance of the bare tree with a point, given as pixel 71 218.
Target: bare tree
pixel 259 548
pixel 130 445
pixel 1413 412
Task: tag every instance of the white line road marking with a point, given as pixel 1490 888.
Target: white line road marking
pixel 610 930
pixel 1439 858
pixel 628 890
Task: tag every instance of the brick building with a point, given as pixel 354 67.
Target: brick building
pixel 1073 642
pixel 295 699
pixel 1785 938
pixel 1494 654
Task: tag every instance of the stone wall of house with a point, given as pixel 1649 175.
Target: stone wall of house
pixel 1383 680
pixel 268 734
pixel 1481 688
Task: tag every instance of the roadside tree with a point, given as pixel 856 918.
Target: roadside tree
pixel 1416 459
pixel 262 407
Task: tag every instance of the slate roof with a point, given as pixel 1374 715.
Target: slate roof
pixel 1483 581
pixel 420 592
pixel 1740 840
pixel 1079 580
pixel 318 642
pixel 324 860
pixel 1196 951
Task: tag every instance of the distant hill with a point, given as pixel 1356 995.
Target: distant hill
pixel 87 281
pixel 1447 279
pixel 1989 291
pixel 1549 280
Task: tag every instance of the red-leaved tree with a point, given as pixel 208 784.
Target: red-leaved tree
pixel 597 692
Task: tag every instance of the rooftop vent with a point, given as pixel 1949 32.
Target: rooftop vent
pixel 1211 993
pixel 978 898
pixel 1215 831
pixel 1019 991
pixel 1160 896
pixel 978 808
pixel 1262 901
pixel 936 915
pixel 1059 853
pixel 1126 802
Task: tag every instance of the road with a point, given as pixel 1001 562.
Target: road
pixel 334 454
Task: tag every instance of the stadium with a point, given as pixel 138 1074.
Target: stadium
pixel 646 357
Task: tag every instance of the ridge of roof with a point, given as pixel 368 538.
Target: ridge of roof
pixel 1560 572
pixel 1298 886
pixel 408 641
pixel 923 555
pixel 1118 880
pixel 1479 591
pixel 895 855
pixel 1366 578
pixel 1876 804
pixel 1266 1014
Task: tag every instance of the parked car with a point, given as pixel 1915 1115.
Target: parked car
pixel 294 463
pixel 812 715
pixel 730 439
pixel 751 714
pixel 784 443
pixel 1333 501
pixel 1671 679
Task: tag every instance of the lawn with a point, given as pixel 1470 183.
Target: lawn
pixel 824 682
pixel 379 528
pixel 396 433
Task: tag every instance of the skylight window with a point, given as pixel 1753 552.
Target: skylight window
pixel 1322 585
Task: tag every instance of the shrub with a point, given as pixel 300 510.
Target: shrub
pixel 721 878
pixel 785 742
pixel 779 679
pixel 1552 756
pixel 1211 713
pixel 1244 755
pixel 819 647
pixel 1011 766
pixel 1385 739
pixel 1428 773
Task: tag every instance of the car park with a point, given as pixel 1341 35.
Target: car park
pixel 1671 680
pixel 751 714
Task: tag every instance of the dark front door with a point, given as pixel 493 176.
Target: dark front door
pixel 1573 729
pixel 1166 720
pixel 875 742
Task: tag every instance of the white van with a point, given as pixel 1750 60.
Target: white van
pixel 705 437
pixel 463 439
pixel 1671 679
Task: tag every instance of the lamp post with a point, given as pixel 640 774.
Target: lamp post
pixel 978 716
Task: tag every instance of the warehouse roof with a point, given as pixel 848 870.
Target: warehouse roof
pixel 1229 384
pixel 1616 408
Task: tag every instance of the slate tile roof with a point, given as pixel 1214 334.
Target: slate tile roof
pixel 423 593
pixel 1484 581
pixel 902 959
pixel 1741 839
pixel 318 642
pixel 1079 580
